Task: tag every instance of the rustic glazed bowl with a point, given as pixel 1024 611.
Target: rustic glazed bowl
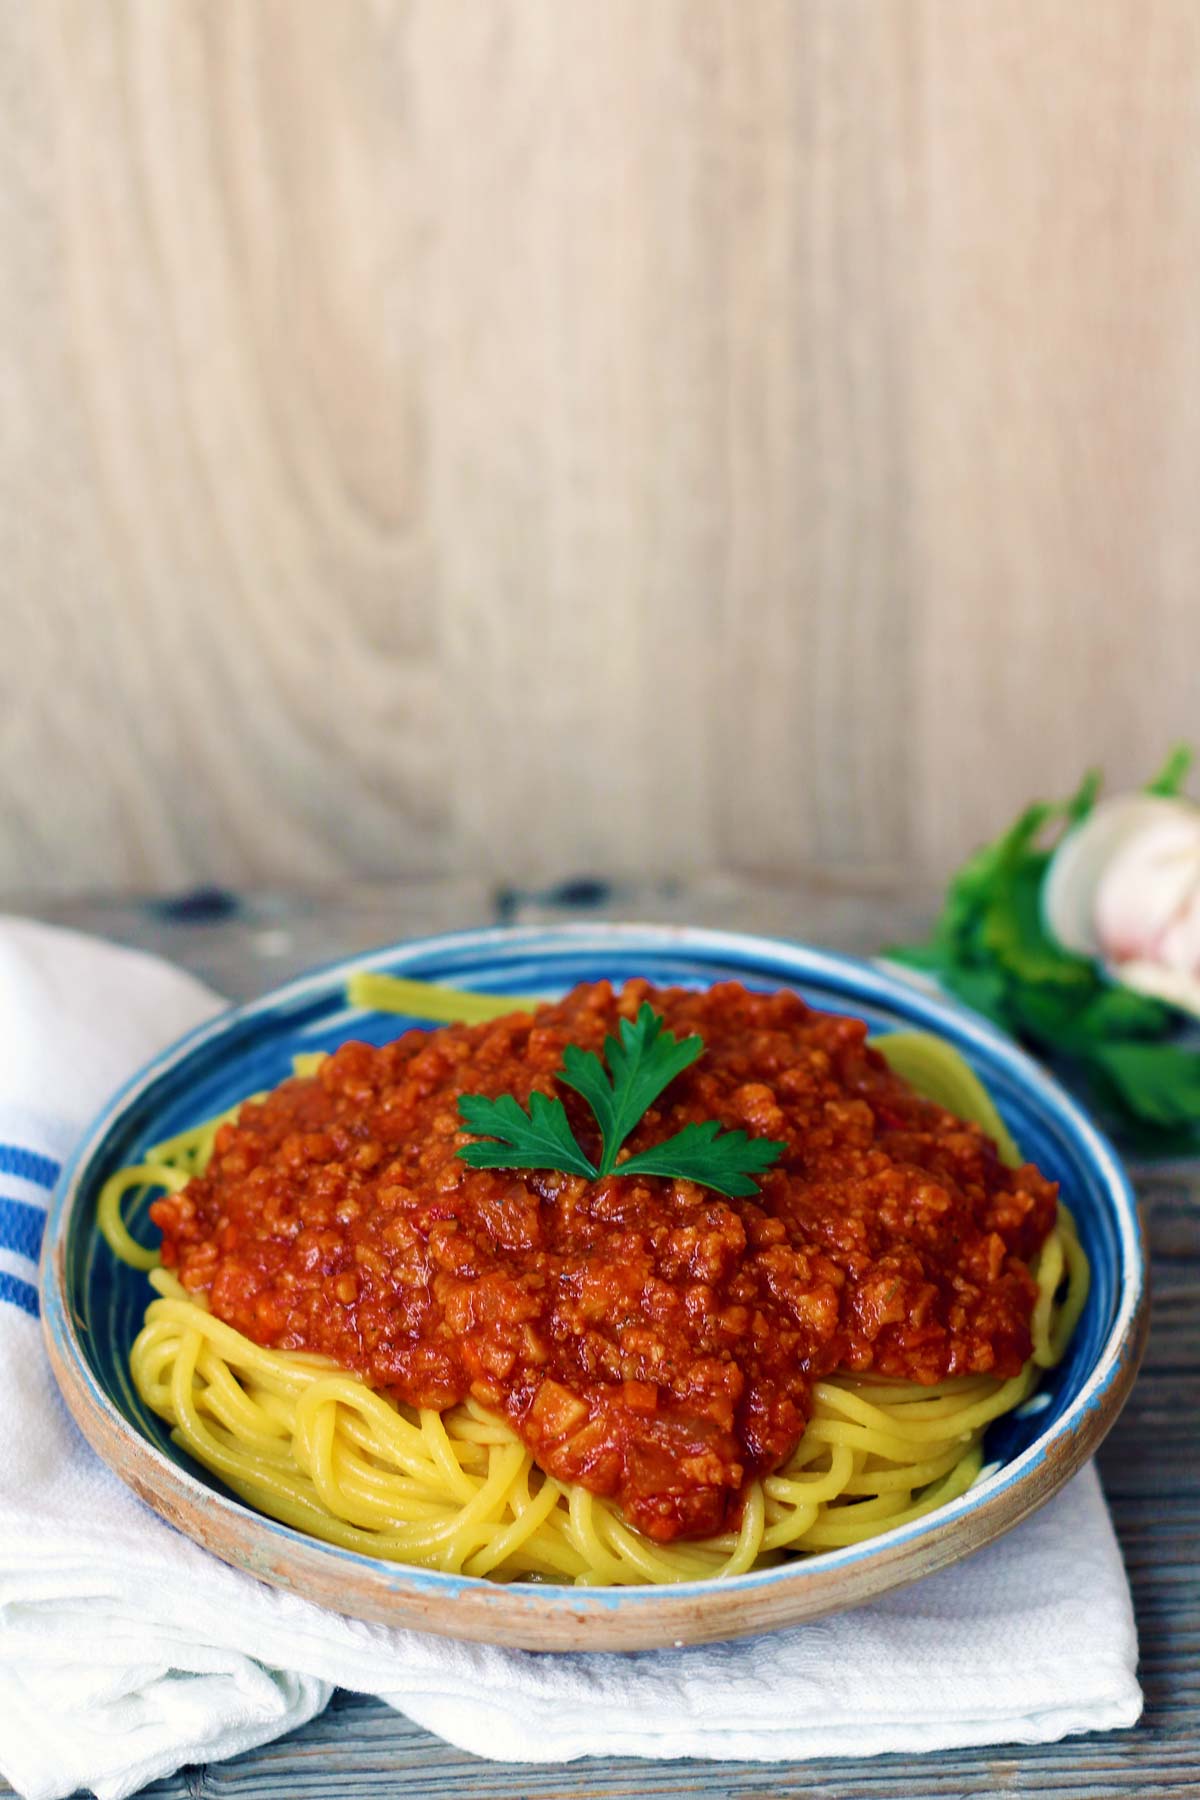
pixel 92 1305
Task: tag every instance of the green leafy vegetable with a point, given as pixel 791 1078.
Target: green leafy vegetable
pixel 990 947
pixel 1174 772
pixel 642 1062
pixel 1158 1082
pixel 538 1139
pixel 705 1154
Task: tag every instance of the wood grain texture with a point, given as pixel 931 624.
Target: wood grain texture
pixel 790 406
pixel 360 1750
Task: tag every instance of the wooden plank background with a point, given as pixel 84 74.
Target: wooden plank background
pixel 527 437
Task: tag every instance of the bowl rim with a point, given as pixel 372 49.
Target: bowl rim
pixel 999 1500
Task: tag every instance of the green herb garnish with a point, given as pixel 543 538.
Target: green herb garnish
pixel 642 1061
pixel 991 949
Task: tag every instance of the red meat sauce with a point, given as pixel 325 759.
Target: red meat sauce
pixel 645 1337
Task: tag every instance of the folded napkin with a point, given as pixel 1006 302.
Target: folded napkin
pixel 126 1651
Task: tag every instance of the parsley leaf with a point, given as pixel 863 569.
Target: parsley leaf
pixel 1158 1082
pixel 538 1139
pixel 642 1062
pixel 712 1158
pixel 1171 777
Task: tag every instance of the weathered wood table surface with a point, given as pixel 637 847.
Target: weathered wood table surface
pixel 360 1750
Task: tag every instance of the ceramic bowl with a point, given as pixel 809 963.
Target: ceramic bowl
pixel 92 1305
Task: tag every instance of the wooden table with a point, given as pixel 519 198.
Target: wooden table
pixel 360 1750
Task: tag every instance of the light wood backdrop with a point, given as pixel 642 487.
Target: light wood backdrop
pixel 539 435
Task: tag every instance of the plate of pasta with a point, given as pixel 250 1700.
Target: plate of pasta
pixel 594 1287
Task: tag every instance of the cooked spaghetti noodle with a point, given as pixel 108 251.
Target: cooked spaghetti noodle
pixel 309 1443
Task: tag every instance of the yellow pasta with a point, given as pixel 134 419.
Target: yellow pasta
pixel 308 1443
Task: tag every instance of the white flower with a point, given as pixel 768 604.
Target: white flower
pixel 1124 886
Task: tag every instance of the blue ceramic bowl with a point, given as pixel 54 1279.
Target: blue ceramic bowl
pixel 92 1305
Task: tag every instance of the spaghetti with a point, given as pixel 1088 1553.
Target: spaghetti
pixel 311 1444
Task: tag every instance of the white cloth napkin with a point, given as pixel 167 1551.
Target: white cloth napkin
pixel 126 1651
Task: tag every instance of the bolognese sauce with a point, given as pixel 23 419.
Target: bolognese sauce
pixel 646 1337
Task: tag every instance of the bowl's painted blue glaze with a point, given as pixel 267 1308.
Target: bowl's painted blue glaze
pixel 94 1313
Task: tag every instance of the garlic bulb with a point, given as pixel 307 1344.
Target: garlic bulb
pixel 1124 886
